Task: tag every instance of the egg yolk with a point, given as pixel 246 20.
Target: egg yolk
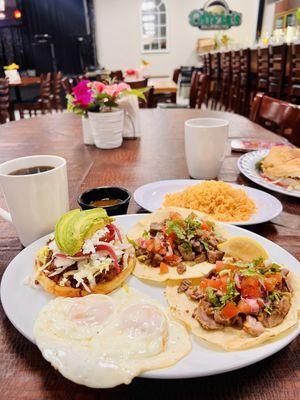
pixel 90 310
pixel 143 320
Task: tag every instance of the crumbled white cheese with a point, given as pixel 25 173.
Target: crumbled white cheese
pixel 29 281
pixel 89 244
pixel 63 262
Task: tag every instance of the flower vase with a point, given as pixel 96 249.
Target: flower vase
pixel 87 131
pixel 13 76
pixel 107 128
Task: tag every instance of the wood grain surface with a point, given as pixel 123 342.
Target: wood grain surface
pixel 159 154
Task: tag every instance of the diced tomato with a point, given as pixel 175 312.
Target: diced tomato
pixel 173 258
pixel 175 216
pixel 214 283
pixel 157 245
pixel 163 268
pixel 220 266
pixel 149 244
pixel 171 237
pixel 244 307
pixel 205 227
pixel 230 310
pixel 271 280
pixel 250 287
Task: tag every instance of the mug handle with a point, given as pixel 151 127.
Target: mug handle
pixel 5 215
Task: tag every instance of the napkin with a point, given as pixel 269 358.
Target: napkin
pixel 132 125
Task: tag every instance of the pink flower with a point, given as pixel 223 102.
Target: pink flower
pixel 131 72
pixel 123 86
pixel 83 93
pixel 115 89
pixel 98 86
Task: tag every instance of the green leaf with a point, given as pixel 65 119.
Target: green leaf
pixel 136 92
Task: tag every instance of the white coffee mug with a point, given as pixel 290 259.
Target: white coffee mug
pixel 35 201
pixel 205 146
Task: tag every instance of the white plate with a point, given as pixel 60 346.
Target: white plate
pixel 151 197
pixel 22 303
pixel 247 166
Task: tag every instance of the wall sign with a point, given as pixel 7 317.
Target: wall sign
pixel 215 15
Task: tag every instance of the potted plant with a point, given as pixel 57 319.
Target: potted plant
pixel 102 118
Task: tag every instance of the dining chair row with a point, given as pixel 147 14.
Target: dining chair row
pixel 236 76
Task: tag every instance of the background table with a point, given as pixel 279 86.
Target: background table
pixel 159 154
pixel 162 85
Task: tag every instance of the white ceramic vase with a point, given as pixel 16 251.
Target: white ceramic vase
pixel 87 131
pixel 107 128
pixel 13 76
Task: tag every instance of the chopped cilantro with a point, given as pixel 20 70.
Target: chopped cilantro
pixel 258 261
pixel 146 234
pixel 175 226
pixel 275 296
pixel 212 297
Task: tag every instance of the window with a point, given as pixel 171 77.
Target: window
pixel 154 26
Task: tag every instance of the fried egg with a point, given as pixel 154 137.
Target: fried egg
pixel 102 341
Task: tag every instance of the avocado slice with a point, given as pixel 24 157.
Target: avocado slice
pixel 74 227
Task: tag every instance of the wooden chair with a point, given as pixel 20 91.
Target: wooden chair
pixel 43 104
pixel 176 74
pixel 234 90
pixel 276 70
pixel 278 116
pixel 225 64
pixel 56 102
pixel 262 70
pixel 138 84
pixel 293 86
pixel 67 85
pixel 148 94
pixel 4 101
pixel 199 89
pixel 116 75
pixel 215 87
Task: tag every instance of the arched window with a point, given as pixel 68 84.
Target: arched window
pixel 154 26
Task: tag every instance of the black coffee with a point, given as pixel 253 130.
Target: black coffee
pixel 32 170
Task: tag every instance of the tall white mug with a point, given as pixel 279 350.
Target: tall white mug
pixel 35 201
pixel 205 146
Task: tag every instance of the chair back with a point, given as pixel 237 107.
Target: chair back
pixel 67 85
pixel 277 70
pixel 176 73
pixel 57 83
pixel 138 84
pixel 199 89
pixel 149 94
pixel 262 69
pixel 45 87
pixel 116 75
pixel 207 64
pixel 4 100
pixel 294 73
pixel 278 116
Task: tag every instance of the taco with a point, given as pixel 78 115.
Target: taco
pixel 175 243
pixel 237 305
pixel 86 255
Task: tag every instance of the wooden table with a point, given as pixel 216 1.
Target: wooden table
pixel 163 85
pixel 159 154
pixel 27 81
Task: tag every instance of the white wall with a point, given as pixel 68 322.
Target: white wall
pixel 118 33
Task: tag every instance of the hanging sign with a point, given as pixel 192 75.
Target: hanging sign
pixel 215 15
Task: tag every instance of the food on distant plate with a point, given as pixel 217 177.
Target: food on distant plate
pixel 237 305
pixel 282 167
pixel 175 243
pixel 86 255
pixel 216 199
pixel 102 341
